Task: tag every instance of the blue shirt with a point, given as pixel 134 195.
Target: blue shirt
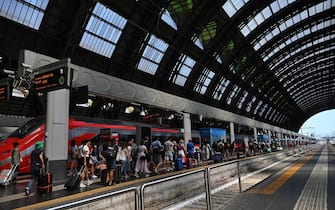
pixel 190 148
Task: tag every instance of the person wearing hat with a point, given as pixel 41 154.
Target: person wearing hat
pixel 15 160
pixel 36 164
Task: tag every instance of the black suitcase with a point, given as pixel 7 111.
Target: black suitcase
pixel 73 182
pixel 117 173
pixel 103 177
pixel 44 184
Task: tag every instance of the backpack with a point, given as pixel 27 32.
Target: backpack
pixel 112 152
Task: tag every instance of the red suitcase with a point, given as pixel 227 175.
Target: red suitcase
pixel 189 162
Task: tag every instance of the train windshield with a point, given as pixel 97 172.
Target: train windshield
pixel 27 128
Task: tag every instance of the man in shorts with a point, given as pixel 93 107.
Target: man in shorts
pixel 168 157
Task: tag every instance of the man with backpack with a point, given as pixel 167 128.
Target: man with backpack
pixel 157 149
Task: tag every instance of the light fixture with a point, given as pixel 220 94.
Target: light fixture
pixel 129 109
pixel 142 113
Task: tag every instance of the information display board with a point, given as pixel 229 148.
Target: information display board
pixel 51 80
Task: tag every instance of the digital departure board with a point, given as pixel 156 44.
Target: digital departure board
pixel 51 80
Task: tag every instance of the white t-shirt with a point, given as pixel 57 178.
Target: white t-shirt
pixel 86 150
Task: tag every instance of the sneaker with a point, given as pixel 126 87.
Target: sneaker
pixel 26 191
pixel 136 175
pixel 89 182
pixel 82 185
pixel 147 175
pixel 94 177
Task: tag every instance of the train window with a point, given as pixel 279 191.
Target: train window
pixel 27 128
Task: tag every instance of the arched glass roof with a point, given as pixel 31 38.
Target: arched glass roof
pixel 270 60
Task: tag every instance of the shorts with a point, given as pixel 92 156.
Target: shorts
pixel 168 157
pixel 110 165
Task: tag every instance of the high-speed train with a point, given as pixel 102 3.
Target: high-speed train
pixel 79 130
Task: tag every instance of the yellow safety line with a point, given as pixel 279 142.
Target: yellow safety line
pixel 277 183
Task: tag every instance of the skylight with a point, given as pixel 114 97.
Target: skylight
pixel 285 24
pixel 103 31
pixel 290 39
pixel 166 17
pixel 220 88
pixel 152 55
pixel 232 6
pixel 182 70
pixel 29 13
pixel 259 18
pixel 204 81
pixel 197 42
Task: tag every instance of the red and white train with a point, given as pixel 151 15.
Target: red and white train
pixel 79 130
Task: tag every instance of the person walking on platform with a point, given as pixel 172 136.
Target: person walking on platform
pixel 15 160
pixel 74 155
pixel 141 164
pixel 133 156
pixel 36 164
pixel 190 149
pixel 157 148
pixel 168 154
pixel 109 153
pixel 123 155
pixel 86 159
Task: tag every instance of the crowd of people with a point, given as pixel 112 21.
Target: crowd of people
pixel 137 160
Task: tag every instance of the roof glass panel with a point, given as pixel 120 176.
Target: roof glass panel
pixel 166 17
pixel 232 6
pixel 204 81
pixel 179 9
pixel 242 99
pixel 152 55
pixel 220 88
pixel 102 31
pixel 28 13
pixel 261 16
pixel 233 94
pixel 270 52
pixel 208 33
pixel 182 70
pixel 218 58
pixel 197 42
pixel 275 6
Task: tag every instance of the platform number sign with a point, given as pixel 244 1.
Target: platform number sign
pixel 51 80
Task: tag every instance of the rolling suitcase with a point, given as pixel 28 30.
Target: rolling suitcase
pixel 189 162
pixel 179 164
pixel 103 177
pixel 74 180
pixel 117 173
pixel 44 184
pixel 217 157
pixel 6 175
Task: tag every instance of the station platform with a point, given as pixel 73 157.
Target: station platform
pixel 304 180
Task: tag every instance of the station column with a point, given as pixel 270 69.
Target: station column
pixel 187 127
pixel 255 133
pixel 232 132
pixel 57 127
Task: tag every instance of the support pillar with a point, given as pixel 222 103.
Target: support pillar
pixel 255 133
pixel 187 128
pixel 232 132
pixel 57 132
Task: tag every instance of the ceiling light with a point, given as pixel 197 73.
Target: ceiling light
pixel 142 113
pixel 129 109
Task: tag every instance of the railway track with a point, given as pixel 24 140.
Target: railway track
pixel 224 197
